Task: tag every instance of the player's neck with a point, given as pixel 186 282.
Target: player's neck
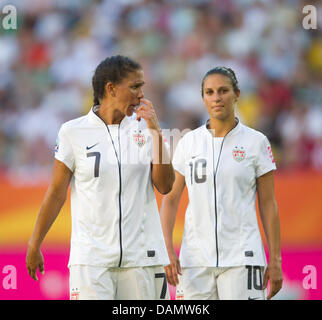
pixel 220 128
pixel 109 114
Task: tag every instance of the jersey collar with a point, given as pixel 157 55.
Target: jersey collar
pixel 95 119
pixel 232 132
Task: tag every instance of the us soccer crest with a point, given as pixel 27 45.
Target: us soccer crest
pixel 139 138
pixel 239 154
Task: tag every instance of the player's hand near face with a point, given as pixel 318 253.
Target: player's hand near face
pixel 162 170
pixel 147 112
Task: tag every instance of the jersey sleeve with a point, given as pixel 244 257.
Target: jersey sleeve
pixel 265 159
pixel 63 150
pixel 178 160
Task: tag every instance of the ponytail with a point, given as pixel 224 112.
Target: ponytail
pixel 96 101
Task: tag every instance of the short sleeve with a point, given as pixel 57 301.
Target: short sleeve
pixel 265 159
pixel 63 150
pixel 178 160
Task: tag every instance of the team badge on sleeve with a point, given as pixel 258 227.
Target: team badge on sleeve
pixel 239 154
pixel 139 138
pixel 270 153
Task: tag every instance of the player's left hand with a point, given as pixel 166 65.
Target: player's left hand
pixel 147 112
pixel 274 275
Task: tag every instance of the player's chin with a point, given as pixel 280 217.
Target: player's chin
pixel 219 115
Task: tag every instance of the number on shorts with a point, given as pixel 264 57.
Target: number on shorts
pixel 254 278
pixel 164 286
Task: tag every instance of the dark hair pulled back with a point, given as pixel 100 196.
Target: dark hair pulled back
pixel 224 71
pixel 113 69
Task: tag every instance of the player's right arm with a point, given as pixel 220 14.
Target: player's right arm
pixel 168 214
pixel 49 210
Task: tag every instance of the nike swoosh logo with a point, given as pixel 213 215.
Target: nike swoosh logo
pixel 195 156
pixel 87 148
pixel 249 298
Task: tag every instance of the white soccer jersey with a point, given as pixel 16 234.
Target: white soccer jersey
pixel 221 228
pixel 115 218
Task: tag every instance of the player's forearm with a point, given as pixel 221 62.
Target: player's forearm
pixel 160 152
pixel 271 224
pixel 168 217
pixel 48 212
pixel 162 173
pixel 163 177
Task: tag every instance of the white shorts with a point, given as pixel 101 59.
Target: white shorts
pixel 233 283
pixel 99 283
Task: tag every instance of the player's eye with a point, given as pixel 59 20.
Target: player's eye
pixel 223 90
pixel 136 86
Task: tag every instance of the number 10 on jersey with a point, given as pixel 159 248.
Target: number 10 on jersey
pixel 198 171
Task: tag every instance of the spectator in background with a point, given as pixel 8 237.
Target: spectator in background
pixel 46 65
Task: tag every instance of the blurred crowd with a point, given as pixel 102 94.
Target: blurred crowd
pixel 46 66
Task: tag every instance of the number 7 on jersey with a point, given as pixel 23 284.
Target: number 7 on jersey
pixel 97 156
